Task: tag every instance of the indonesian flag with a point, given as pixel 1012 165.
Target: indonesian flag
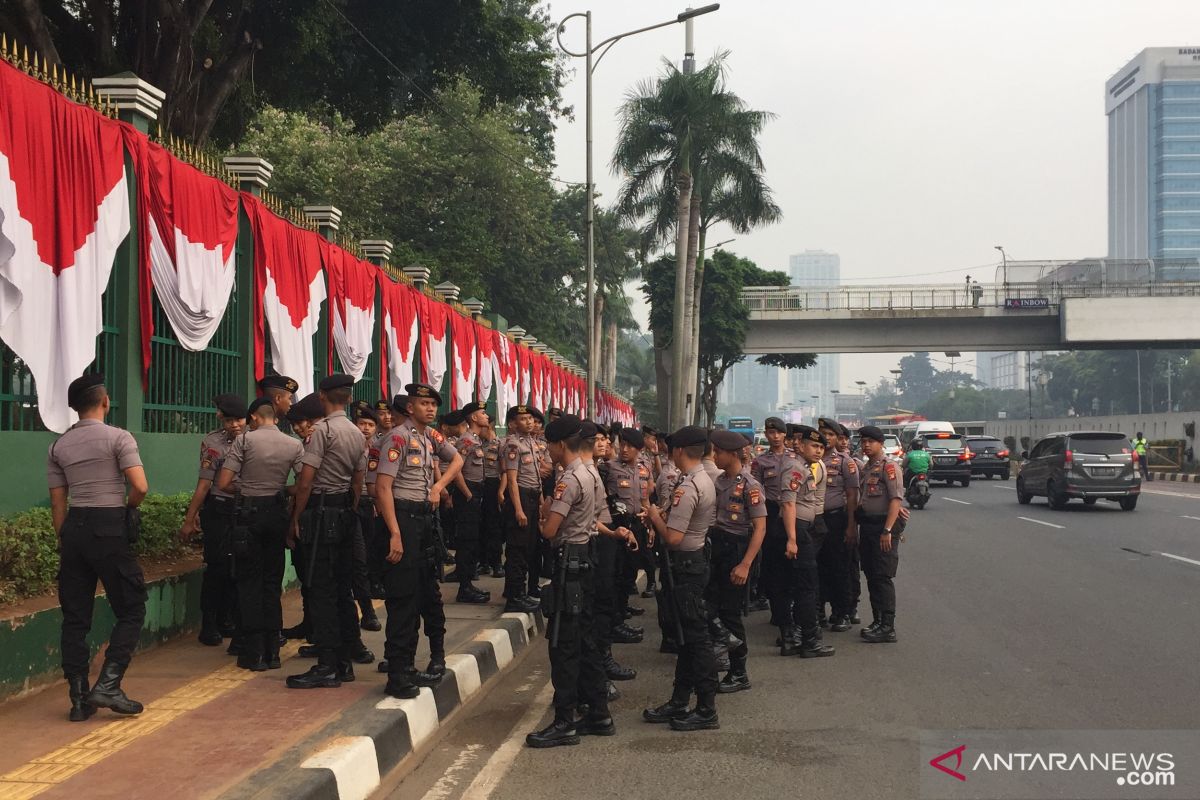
pixel 465 347
pixel 65 201
pixel 189 226
pixel 505 355
pixel 524 375
pixel 352 290
pixel 399 331
pixel 486 338
pixel 289 288
pixel 434 318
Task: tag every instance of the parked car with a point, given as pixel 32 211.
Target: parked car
pixel 891 446
pixel 923 428
pixel 949 457
pixel 1090 465
pixel 989 456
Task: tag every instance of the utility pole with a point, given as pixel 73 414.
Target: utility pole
pixel 1139 380
pixel 1170 406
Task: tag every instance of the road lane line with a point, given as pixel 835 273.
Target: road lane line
pixel 501 762
pixel 1008 488
pixel 1040 522
pixel 1185 516
pixel 960 502
pixel 1181 558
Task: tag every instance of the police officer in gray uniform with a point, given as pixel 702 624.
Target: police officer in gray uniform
pixel 327 491
pixel 809 479
pixel 879 534
pixel 96 484
pixel 683 531
pixel 568 524
pixel 211 511
pixel 841 504
pixel 261 460
pixel 468 505
pixel 775 470
pixel 405 493
pixel 520 459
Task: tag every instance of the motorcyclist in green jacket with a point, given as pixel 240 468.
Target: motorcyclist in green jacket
pixel 916 461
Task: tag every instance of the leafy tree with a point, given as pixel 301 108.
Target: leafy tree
pixel 969 403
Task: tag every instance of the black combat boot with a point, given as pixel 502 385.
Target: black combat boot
pixel 560 732
pixel 674 708
pixel 789 642
pixel 345 671
pixel 428 679
pixel 615 671
pixel 886 632
pixel 271 650
pixel 210 633
pixel 107 692
pixel 437 662
pixel 854 618
pixel 369 620
pixel 251 655
pixel 77 687
pixel 876 621
pixel 701 718
pixel 468 593
pixel 596 724
pixel 235 646
pixel 300 631
pixel 613 694
pixel 322 675
pixel 839 623
pixel 622 634
pixel 400 684
pixel 736 680
pixel 811 647
pixel 361 654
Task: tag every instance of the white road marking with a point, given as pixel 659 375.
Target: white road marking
pixel 1187 495
pixel 1185 516
pixel 960 502
pixel 1181 558
pixel 1040 522
pixel 449 780
pixel 501 762
pixel 1008 488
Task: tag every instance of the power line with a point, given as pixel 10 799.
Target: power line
pixel 433 101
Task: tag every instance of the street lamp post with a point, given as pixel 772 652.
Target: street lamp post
pixel 1004 268
pixel 590 191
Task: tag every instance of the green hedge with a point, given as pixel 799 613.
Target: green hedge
pixel 29 548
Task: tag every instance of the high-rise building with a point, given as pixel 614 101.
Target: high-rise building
pixel 1002 370
pixel 815 269
pixel 1153 108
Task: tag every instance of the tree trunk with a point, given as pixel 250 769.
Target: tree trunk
pixel 613 334
pixel 697 294
pixel 679 385
pixel 37 31
pixel 691 346
pixel 662 380
pixel 598 368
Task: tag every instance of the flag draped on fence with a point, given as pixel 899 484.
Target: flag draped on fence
pixel 65 201
pixel 434 318
pixel 352 290
pixel 399 332
pixel 465 342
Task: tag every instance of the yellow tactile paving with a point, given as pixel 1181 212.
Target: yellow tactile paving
pixel 46 771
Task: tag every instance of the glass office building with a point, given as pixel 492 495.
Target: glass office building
pixel 1153 108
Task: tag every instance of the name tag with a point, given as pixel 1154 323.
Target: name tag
pixel 414 461
pixel 623 484
pixel 735 507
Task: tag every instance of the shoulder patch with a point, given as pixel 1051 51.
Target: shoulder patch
pixel 851 466
pixel 795 481
pixel 677 497
pixel 436 436
pixel 891 470
pixel 755 497
pixel 559 489
pixel 394 454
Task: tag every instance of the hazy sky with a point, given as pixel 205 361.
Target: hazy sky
pixel 911 137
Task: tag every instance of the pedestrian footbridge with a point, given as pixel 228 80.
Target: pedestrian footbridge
pixel 1084 309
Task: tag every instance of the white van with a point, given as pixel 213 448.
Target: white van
pixel 915 429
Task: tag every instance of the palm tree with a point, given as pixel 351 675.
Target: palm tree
pixel 688 147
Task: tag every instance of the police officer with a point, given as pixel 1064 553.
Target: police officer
pixel 491 526
pixel 211 511
pixel 260 461
pixel 468 504
pixel 96 484
pixel 519 455
pixel 879 541
pixel 405 497
pixel 841 503
pixel 327 491
pixel 774 470
pixel 626 494
pixel 366 418
pixel 303 415
pixel 736 539
pixel 539 551
pixel 280 390
pixel 808 479
pixel 568 525
pixel 683 531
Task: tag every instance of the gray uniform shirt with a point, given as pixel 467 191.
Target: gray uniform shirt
pixel 626 484
pixel 335 449
pixel 693 505
pixel 213 450
pixel 408 458
pixel 603 513
pixel 841 473
pixel 374 447
pixel 809 483
pixel 520 453
pixel 491 457
pixel 575 498
pixel 881 481
pixel 775 471
pixel 472 452
pixel 668 478
pixel 90 460
pixel 262 459
pixel 739 501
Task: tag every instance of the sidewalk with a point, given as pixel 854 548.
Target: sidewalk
pixel 1175 477
pixel 211 729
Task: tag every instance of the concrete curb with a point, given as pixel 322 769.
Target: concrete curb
pixel 1175 477
pixel 347 759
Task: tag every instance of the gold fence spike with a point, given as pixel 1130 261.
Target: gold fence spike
pixel 25 58
pixel 4 45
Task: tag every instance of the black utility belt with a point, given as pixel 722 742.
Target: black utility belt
pixel 261 502
pixel 331 500
pixel 417 507
pixel 805 523
pixel 838 510
pixel 475 486
pixel 863 516
pixel 716 531
pixel 683 557
pixel 97 513
pixel 530 489
pixel 224 505
pixel 575 550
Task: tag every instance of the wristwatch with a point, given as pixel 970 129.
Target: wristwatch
pixel 888 531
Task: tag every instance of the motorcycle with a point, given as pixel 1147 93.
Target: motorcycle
pixel 917 494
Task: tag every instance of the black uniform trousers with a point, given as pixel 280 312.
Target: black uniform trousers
pixel 696 665
pixel 327 528
pixel 467 515
pixel 576 660
pixel 363 524
pixel 411 590
pixel 630 562
pixel 491 525
pixel 218 589
pixel 375 545
pixel 791 583
pixel 833 561
pixel 725 598
pixel 93 547
pixel 878 566
pixel 604 582
pixel 259 563
pixel 521 541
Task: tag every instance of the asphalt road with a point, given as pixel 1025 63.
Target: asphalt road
pixel 1009 616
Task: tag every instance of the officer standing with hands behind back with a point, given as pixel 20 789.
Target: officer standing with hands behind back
pixel 879 540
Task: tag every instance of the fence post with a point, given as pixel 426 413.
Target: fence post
pixel 138 103
pixel 378 251
pixel 328 219
pixel 252 174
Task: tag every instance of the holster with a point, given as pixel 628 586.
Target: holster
pixel 133 525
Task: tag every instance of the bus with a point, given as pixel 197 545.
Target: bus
pixel 742 425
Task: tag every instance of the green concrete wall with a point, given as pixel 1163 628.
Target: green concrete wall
pixel 171 461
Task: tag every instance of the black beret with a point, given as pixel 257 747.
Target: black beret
pixel 616 427
pixel 826 422
pixel 471 408
pixel 516 411
pixel 633 437
pixel 328 384
pixel 603 429
pixel 400 404
pixel 793 428
pixel 749 441
pixel 81 385
pixel 554 412
pixel 363 410
pixel 689 435
pixel 649 431
pixel 775 424
pixel 588 430
pixel 453 418
pixel 564 426
pixel 382 405
pixel 808 433
pixel 728 441
pixel 230 405
pixel 278 382
pixel 308 407
pixel 418 390
pixel 258 403
pixel 537 415
pixel 870 432
pixel 843 430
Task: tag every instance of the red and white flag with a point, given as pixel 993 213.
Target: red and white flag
pixel 185 244
pixel 505 355
pixel 352 290
pixel 65 201
pixel 289 290
pixel 486 338
pixel 465 345
pixel 399 331
pixel 435 317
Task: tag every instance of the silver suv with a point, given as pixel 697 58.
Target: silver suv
pixel 1086 464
